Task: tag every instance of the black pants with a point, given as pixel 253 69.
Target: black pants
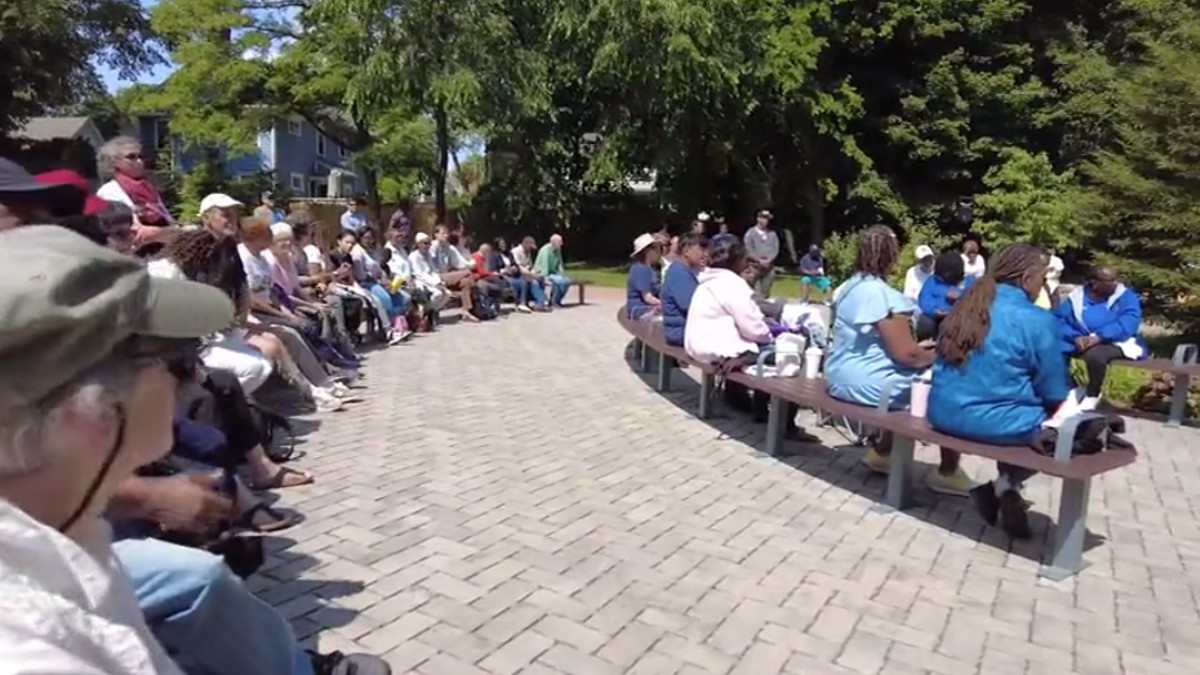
pixel 232 414
pixel 757 403
pixel 927 327
pixel 1095 361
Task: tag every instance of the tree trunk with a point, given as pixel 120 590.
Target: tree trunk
pixel 443 142
pixel 371 180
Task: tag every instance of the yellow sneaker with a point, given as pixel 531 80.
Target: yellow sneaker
pixel 876 462
pixel 957 484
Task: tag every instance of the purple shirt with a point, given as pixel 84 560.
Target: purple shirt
pixel 811 265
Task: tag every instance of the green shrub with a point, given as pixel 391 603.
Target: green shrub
pixel 841 249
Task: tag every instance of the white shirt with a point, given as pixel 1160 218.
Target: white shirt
pixel 113 192
pixel 976 269
pixel 315 257
pixel 522 258
pixel 67 607
pixel 258 274
pixel 398 265
pixel 424 269
pixel 914 279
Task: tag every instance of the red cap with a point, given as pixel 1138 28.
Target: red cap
pixel 92 204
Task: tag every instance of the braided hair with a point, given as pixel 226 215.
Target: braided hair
pixel 209 259
pixel 964 330
pixel 877 252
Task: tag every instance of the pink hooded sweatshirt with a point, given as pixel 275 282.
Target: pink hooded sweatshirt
pixel 723 320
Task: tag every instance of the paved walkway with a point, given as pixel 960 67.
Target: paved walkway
pixel 513 498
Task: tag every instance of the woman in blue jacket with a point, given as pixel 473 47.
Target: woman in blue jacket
pixel 939 293
pixel 999 374
pixel 1099 323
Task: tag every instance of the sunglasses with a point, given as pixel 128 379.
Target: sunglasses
pixel 132 156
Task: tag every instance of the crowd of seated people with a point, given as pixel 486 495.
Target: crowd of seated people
pixel 190 469
pixel 992 339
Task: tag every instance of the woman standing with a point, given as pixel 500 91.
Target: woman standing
pixel 974 265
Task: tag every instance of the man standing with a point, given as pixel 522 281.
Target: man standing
pixel 266 210
pixel 762 246
pixel 549 266
pixel 354 220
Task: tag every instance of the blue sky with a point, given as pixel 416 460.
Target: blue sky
pixel 113 82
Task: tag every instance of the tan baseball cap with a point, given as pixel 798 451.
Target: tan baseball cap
pixel 66 304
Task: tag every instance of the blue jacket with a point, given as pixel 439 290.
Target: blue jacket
pixel 1113 320
pixel 1001 394
pixel 677 290
pixel 933 294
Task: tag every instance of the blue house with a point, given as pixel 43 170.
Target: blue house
pixel 298 156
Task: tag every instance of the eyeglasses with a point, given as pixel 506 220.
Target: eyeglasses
pixel 132 156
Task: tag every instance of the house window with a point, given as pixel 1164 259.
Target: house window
pixel 343 151
pixel 297 184
pixel 318 187
pixel 294 128
pixel 320 144
pixel 162 133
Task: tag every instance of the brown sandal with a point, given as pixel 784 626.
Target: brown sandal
pixel 281 480
pixel 280 521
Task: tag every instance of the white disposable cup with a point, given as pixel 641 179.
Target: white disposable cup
pixel 919 399
pixel 812 361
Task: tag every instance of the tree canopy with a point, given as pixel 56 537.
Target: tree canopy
pixel 1068 123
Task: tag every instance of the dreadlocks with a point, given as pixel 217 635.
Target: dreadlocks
pixel 209 259
pixel 964 330
pixel 877 252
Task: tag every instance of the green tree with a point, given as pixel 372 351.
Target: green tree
pixel 49 48
pixel 1027 201
pixel 1141 192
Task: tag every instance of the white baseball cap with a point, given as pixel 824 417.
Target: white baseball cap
pixel 421 238
pixel 217 200
pixel 642 242
pixel 703 216
pixel 924 251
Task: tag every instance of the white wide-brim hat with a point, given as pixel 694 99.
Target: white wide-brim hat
pixel 643 242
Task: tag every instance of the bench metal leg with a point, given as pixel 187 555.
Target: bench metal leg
pixel 708 386
pixel 645 358
pixel 582 293
pixel 900 475
pixel 638 348
pixel 664 372
pixel 1066 558
pixel 776 425
pixel 1179 400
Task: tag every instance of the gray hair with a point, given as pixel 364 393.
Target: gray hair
pixel 24 432
pixel 111 152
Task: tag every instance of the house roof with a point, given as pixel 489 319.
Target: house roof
pixel 50 128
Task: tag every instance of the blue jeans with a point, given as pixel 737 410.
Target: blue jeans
pixel 203 616
pixel 525 288
pixel 561 284
pixel 395 304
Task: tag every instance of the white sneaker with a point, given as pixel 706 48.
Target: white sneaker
pixel 524 309
pixel 397 338
pixel 339 390
pixel 347 376
pixel 326 401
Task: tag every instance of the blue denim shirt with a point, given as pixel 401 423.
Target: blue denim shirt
pixel 677 290
pixel 1001 394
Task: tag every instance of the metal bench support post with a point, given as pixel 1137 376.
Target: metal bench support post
pixel 582 293
pixel 645 358
pixel 664 372
pixel 1179 398
pixel 708 386
pixel 1066 558
pixel 638 348
pixel 1185 355
pixel 776 424
pixel 900 475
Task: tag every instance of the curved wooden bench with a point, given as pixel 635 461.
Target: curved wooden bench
pixel 1076 473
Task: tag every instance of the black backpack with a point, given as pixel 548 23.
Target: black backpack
pixel 484 305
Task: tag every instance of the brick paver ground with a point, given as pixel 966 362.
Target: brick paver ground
pixel 513 498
